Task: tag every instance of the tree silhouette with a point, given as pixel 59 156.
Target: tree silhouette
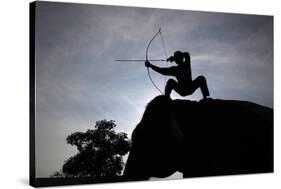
pixel 60 174
pixel 100 151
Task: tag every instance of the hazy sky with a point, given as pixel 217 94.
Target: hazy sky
pixel 78 81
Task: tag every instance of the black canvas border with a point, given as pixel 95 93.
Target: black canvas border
pixel 32 168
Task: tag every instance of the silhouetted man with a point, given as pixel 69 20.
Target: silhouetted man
pixel 184 84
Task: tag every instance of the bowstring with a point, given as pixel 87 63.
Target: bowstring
pixel 165 51
pixel 163 44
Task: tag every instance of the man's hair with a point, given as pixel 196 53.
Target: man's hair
pixel 178 53
pixel 184 55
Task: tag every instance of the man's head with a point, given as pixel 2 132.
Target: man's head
pixel 180 57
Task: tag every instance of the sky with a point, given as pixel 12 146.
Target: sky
pixel 78 81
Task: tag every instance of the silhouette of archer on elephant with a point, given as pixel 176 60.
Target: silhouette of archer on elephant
pixel 184 84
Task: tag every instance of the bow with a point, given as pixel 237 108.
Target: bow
pixel 146 57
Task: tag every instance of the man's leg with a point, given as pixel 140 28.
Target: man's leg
pixel 174 85
pixel 171 84
pixel 202 83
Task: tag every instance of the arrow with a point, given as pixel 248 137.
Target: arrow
pixel 139 60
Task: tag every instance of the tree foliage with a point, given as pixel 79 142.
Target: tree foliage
pixel 100 151
pixel 60 174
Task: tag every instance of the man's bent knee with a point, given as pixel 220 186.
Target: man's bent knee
pixel 201 78
pixel 169 86
pixel 171 81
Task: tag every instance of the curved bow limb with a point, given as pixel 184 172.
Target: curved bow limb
pixel 146 58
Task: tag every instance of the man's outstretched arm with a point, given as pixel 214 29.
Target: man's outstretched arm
pixel 163 71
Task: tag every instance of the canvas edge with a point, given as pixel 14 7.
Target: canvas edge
pixel 32 169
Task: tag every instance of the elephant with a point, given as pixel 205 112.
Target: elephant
pixel 207 138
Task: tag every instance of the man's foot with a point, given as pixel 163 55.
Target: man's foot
pixel 168 96
pixel 205 99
